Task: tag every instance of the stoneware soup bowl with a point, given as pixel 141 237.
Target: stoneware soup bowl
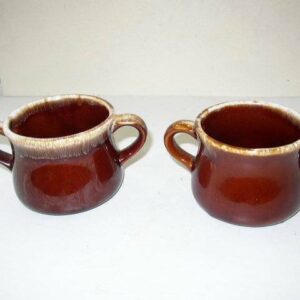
pixel 64 159
pixel 246 170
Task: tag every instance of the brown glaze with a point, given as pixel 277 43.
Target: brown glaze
pixel 68 185
pixel 246 171
pixel 250 126
pixel 6 159
pixel 181 155
pixel 65 119
pixel 63 182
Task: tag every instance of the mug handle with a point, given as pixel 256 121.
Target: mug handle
pixel 6 159
pixel 182 126
pixel 135 122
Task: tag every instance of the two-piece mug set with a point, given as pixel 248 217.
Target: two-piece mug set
pixel 246 171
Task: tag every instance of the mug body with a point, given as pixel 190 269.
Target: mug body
pixel 246 171
pixel 64 157
pixel 244 189
pixel 68 185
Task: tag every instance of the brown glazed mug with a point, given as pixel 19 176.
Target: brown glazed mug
pixel 64 159
pixel 246 170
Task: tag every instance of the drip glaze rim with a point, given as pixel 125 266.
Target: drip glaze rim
pixel 63 146
pixel 285 112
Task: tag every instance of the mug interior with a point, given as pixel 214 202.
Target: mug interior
pixel 52 119
pixel 251 126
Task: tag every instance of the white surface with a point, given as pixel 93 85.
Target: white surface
pixel 151 241
pixel 186 47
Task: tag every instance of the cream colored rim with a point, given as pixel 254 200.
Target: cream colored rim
pixel 210 141
pixel 70 145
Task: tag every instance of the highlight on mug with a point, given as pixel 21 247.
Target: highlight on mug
pixel 64 158
pixel 246 171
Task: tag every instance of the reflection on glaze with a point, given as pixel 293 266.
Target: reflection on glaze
pixel 67 186
pixel 253 191
pixel 103 164
pixel 63 160
pixel 205 171
pixel 247 169
pixel 60 180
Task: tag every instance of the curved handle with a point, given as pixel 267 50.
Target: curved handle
pixel 178 153
pixel 6 159
pixel 133 121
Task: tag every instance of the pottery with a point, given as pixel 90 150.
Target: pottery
pixel 63 155
pixel 246 171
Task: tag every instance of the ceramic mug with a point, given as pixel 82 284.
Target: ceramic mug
pixel 246 170
pixel 64 159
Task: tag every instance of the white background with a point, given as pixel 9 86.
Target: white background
pixel 151 241
pixel 158 47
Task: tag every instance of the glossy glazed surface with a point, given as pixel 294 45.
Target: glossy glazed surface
pixel 60 119
pixel 64 159
pixel 245 190
pixel 250 126
pixel 68 185
pixel 239 186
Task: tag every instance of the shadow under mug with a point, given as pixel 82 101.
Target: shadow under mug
pixel 64 159
pixel 246 171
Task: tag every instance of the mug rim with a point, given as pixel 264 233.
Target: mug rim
pixel 65 97
pixel 62 146
pixel 287 113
